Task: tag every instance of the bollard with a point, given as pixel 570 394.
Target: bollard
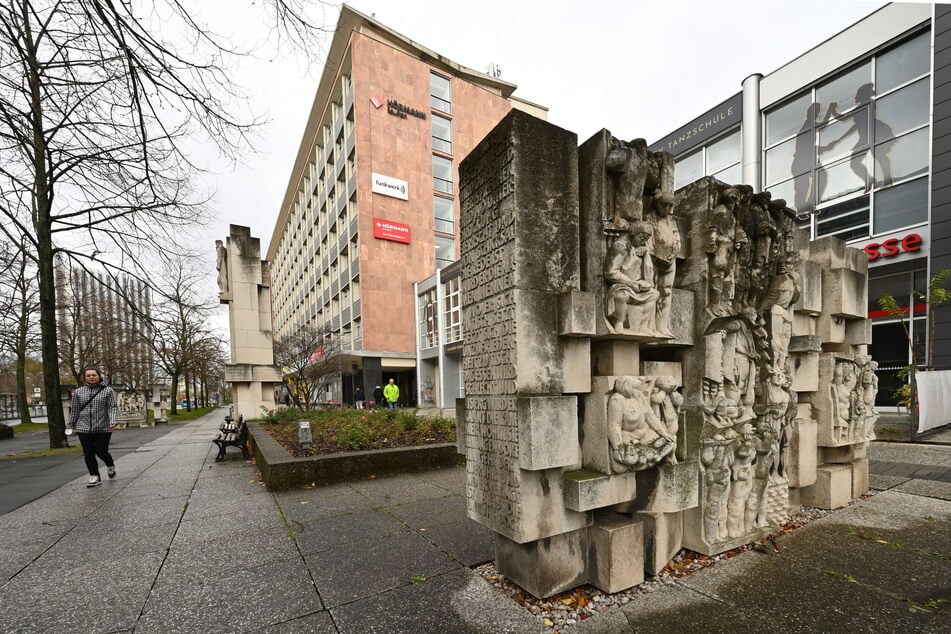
pixel 304 435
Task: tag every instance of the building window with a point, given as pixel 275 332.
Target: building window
pixel 851 154
pixel 428 320
pixel 442 134
pixel 445 251
pixel 889 343
pixel 440 93
pixel 445 214
pixel 453 310
pixel 442 174
pixel 720 159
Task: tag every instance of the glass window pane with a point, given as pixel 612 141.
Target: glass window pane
pixel 846 220
pixel 440 92
pixel 845 136
pixel 442 134
pixel 890 349
pixel 445 251
pixel 902 110
pixel 442 174
pixel 788 120
pixel 902 63
pixel 843 178
pixel 797 192
pixel 898 286
pixel 732 175
pixel 901 206
pixel 844 92
pixel 904 157
pixel 444 214
pixel 791 158
pixel 723 153
pixel 688 169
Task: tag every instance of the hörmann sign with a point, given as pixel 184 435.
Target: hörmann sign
pixel 390 230
pixel 717 120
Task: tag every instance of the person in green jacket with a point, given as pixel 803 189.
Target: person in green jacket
pixel 392 394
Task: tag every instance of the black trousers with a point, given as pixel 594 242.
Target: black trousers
pixel 96 445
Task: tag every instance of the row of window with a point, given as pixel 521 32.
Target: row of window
pixel 444 217
pixel 429 336
pixel 849 154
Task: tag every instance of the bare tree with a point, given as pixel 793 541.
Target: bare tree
pixel 308 358
pixel 19 301
pixel 97 99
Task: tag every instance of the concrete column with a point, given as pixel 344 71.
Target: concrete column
pixel 752 133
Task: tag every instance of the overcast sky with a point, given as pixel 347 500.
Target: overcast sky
pixel 639 69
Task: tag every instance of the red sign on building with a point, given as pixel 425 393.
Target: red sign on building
pixel 389 230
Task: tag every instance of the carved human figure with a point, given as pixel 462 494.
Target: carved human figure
pixel 222 265
pixel 765 234
pixel 870 390
pixel 720 234
pixel 629 164
pixel 666 247
pixel 777 301
pixel 739 359
pixel 637 437
pixel 716 456
pixel 742 269
pixel 766 444
pixel 631 298
pixel 741 481
pixel 665 403
pixel 855 410
pixel 840 394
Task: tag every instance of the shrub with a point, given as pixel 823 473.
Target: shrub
pixel 5 431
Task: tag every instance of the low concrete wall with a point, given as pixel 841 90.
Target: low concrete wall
pixel 281 471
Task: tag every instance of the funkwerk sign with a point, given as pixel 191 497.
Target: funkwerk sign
pixel 389 186
pixel 390 230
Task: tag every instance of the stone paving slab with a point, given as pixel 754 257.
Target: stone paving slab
pixel 909 453
pixel 346 530
pixel 92 544
pixel 465 540
pixel 337 505
pixel 190 562
pixel 451 602
pixel 878 482
pixel 274 592
pixel 316 623
pixel 394 491
pixel 430 513
pixel 346 574
pixel 927 488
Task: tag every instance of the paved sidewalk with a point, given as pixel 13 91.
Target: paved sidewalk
pixel 179 543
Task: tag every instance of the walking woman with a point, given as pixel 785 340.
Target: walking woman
pixel 93 416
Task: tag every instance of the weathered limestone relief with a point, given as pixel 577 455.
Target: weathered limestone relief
pixel 244 282
pixel 645 369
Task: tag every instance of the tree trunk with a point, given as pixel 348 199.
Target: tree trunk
pixel 174 392
pixel 42 223
pixel 188 398
pixel 21 388
pixel 24 326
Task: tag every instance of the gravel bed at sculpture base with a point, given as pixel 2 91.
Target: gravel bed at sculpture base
pixel 564 610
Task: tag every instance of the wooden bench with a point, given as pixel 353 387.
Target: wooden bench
pixel 233 434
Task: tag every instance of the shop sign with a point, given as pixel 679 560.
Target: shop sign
pixel 390 230
pixel 892 247
pixel 389 186
pixel 397 109
pixel 719 119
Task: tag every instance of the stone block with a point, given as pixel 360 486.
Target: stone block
pixel 663 539
pixel 810 297
pixel 682 322
pixel 805 371
pixel 831 328
pixel 860 450
pixel 595 452
pixel 547 432
pixel 860 477
pixel 832 489
pixel 586 490
pixel 802 453
pixel 805 343
pixel 538 349
pixel 546 566
pixel 461 426
pixel 576 310
pixel 804 410
pixel 837 455
pixel 616 552
pixel 668 488
pixel 673 369
pixel 858 332
pixel 795 503
pixel 615 358
pixel 576 365
pixel 845 293
pixel 804 324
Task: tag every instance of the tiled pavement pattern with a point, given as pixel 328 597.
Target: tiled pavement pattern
pixel 179 543
pixel 916 471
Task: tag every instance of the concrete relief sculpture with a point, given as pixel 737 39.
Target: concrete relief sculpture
pixel 642 423
pixel 698 356
pixel 221 263
pixel 631 298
